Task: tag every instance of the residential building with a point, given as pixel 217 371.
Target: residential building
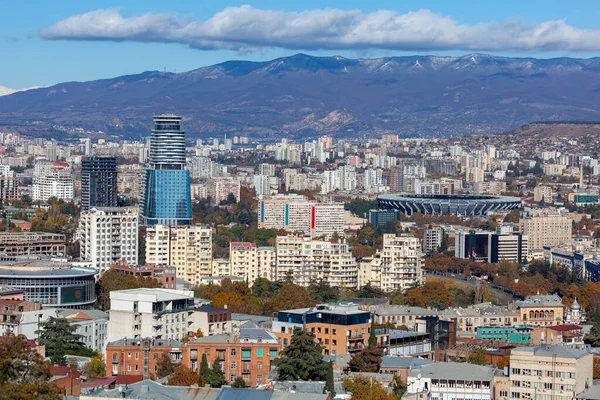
pixel 32 243
pixel 568 334
pixel 294 214
pixel 544 193
pixel 398 266
pixel 397 342
pixel 432 239
pixel 9 184
pixel 542 310
pixel 212 320
pixel 98 182
pixel 151 313
pixel 267 169
pixel 339 327
pixel 140 357
pixel 548 229
pixel 11 310
pixel 186 248
pixel 382 217
pixel 559 372
pixel 220 188
pixel 451 380
pixel 250 262
pixel 400 366
pixel 165 274
pixel 109 235
pixel 165 194
pixel 52 179
pixel 308 261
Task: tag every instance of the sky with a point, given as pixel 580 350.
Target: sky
pixel 49 42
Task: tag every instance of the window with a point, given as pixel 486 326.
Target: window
pixel 334 331
pixel 259 365
pixel 232 378
pixel 232 365
pixel 136 355
pixel 503 393
pixel 129 368
pixel 245 354
pixel 155 356
pixel 233 352
pixel 259 352
pixel 273 353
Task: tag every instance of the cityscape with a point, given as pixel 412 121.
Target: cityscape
pixel 268 244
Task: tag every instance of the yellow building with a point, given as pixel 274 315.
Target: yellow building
pixel 541 310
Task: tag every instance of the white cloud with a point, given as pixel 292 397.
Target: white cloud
pixel 246 29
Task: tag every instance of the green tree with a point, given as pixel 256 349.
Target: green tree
pixel 165 366
pixel 366 360
pixel 398 387
pixel 239 383
pixel 372 335
pixel 204 371
pixel 302 359
pixel 329 384
pixel 59 337
pixel 216 378
pixel 24 375
pixel 95 367
pixel 478 357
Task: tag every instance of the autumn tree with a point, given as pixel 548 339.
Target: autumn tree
pixel 596 368
pixel 478 357
pixel 363 388
pixel 94 367
pixel 24 374
pixel 302 359
pixel 289 297
pixel 165 366
pixel 182 376
pixel 59 337
pixel 115 280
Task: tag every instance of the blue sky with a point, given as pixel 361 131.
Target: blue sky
pixel 39 50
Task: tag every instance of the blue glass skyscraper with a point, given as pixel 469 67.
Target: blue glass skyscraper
pixel 166 198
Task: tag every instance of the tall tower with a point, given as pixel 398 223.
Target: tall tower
pixel 98 182
pixel 166 198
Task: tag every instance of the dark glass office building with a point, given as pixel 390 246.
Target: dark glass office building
pixel 166 198
pixel 98 182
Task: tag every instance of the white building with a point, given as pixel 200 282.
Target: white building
pixel 151 313
pixel 52 179
pixel 451 381
pixel 108 235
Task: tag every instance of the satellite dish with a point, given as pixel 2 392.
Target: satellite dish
pixel 418 376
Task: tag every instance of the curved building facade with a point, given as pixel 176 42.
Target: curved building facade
pixel 52 283
pixel 451 204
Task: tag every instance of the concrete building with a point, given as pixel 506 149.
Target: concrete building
pixel 9 184
pixel 162 273
pixel 487 246
pixel 98 182
pixel 52 179
pixel 212 320
pixel 542 310
pixel 339 327
pixel 267 169
pixel 432 240
pixel 568 334
pixel 548 229
pixel 310 261
pixel 451 381
pixel 294 214
pixel 220 188
pixel 109 235
pixel 558 372
pixel 151 313
pixel 32 243
pixel 543 193
pixel 187 248
pixel 398 266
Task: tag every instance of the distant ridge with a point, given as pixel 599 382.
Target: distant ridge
pixel 303 96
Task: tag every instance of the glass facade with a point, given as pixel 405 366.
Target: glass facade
pixel 168 198
pixel 76 292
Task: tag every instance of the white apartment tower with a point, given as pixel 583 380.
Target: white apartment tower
pixel 52 179
pixel 109 235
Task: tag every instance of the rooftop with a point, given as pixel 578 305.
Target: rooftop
pixel 403 362
pixel 453 370
pixel 541 300
pixel 553 351
pixel 341 308
pixel 155 342
pixel 155 294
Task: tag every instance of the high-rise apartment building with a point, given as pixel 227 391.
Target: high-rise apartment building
pixel 98 182
pixel 220 188
pixel 294 214
pixel 546 227
pixel 267 169
pixel 166 198
pixel 109 235
pixel 251 262
pixel 52 179
pixel 187 248
pixel 9 184
pixel 543 193
pixel 310 261
pixel 432 240
pixel 398 266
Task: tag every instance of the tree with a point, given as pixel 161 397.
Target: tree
pixel 372 335
pixel 366 360
pixel 478 357
pixel 115 280
pixel 165 366
pixel 329 384
pixel 302 359
pixel 59 337
pixel 204 371
pixel 95 367
pixel 398 387
pixel 596 368
pixel 363 388
pixel 216 378
pixel 24 374
pixel 239 383
pixel 182 376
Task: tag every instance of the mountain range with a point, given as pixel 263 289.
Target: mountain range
pixel 302 95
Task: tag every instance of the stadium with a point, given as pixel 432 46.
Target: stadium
pixel 53 283
pixel 447 204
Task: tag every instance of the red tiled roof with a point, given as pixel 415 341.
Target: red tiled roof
pixel 562 328
pixel 99 381
pixel 128 379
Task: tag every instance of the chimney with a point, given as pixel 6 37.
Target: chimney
pixel 225 306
